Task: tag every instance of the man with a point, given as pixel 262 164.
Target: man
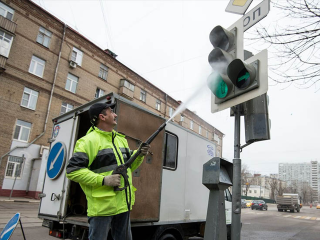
pixel 95 156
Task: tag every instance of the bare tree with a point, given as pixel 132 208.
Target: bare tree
pixel 305 192
pixel 281 188
pixel 295 38
pixel 246 178
pixel 273 184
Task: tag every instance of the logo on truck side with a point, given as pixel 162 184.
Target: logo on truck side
pixel 56 131
pixel 210 151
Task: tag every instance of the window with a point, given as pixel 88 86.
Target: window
pixel 29 98
pixel 171 151
pixel 99 93
pixel 14 167
pixel 255 191
pixel 37 66
pixel 191 125
pixel 158 104
pixel 249 191
pixel 6 11
pixel 103 72
pixel 65 107
pixel 22 131
pixel 71 83
pixel 76 56
pixel 125 83
pixel 143 95
pixel 44 37
pixel 181 118
pixel 5 43
pixel 170 111
pixel 216 138
pixel 200 129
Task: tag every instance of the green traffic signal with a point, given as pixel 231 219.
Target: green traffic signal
pixel 243 79
pixel 217 85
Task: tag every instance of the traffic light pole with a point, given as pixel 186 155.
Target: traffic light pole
pixel 236 188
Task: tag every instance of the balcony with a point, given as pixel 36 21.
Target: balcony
pixel 3 61
pixel 125 92
pixel 7 25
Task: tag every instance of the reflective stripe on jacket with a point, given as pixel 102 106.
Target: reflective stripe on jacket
pixel 96 155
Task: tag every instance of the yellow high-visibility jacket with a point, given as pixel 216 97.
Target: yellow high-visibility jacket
pixel 96 155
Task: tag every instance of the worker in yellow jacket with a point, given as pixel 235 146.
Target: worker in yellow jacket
pixel 95 157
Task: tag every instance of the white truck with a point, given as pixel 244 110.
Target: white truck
pixel 171 202
pixel 288 201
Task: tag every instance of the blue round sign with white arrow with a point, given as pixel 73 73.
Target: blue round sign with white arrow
pixel 9 228
pixel 56 160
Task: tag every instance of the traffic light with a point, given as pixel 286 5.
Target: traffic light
pixel 234 81
pixel 219 58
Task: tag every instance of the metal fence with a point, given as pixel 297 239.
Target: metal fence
pixel 267 200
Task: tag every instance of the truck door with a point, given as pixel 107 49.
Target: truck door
pixel 55 183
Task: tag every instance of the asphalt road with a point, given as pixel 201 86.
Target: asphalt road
pixel 257 225
pixel 271 224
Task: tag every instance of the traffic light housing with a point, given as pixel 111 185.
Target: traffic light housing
pixel 234 81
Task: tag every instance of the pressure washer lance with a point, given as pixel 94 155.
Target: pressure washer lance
pixel 122 169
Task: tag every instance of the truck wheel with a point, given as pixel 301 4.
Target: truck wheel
pixel 291 210
pixel 167 236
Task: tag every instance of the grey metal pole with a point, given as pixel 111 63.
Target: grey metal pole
pixel 236 185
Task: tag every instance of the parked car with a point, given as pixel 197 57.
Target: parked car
pixel 243 203
pixel 259 204
pixel 248 203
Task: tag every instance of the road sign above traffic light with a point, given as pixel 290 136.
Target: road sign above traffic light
pixel 234 81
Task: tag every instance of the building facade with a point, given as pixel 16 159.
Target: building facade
pixel 300 175
pixel 47 69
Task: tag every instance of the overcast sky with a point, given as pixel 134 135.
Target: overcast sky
pixel 167 42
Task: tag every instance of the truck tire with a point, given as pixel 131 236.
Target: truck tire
pixel 167 236
pixel 291 210
pixel 280 210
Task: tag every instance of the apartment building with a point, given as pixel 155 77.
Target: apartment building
pixel 297 175
pixel 46 69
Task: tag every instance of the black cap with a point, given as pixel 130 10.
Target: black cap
pixel 97 108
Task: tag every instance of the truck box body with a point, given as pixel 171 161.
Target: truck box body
pixel 169 182
pixel 288 202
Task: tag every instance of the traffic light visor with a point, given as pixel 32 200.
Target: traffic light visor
pixel 241 74
pixel 221 38
pixel 217 85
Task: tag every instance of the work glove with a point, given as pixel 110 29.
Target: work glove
pixel 144 149
pixel 112 180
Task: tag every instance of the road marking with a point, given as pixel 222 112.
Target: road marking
pixel 313 218
pixel 297 217
pixel 303 217
pixel 318 219
pixel 307 217
pixel 287 216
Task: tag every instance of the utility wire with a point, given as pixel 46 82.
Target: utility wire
pixel 174 64
pixel 106 29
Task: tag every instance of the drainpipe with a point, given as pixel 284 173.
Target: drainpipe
pixel 30 173
pixel 49 105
